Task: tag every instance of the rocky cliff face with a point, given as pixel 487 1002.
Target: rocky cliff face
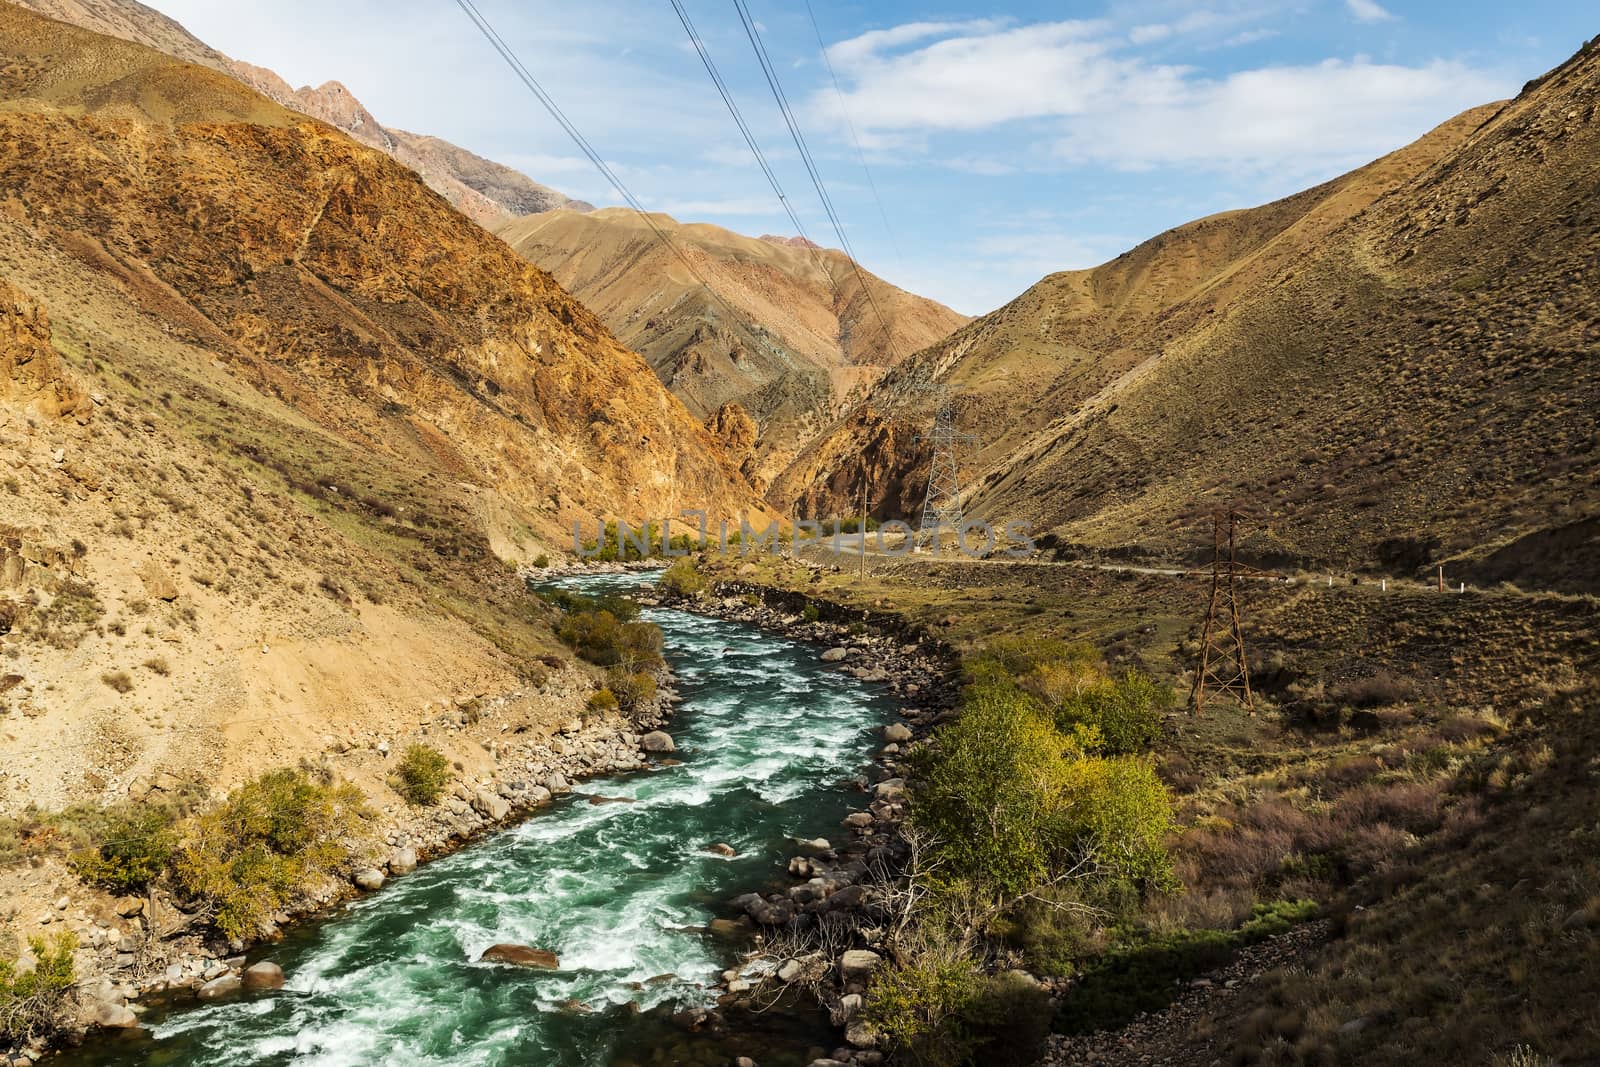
pixel 31 374
pixel 484 191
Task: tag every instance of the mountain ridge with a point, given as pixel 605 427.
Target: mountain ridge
pixel 806 335
pixel 481 189
pixel 1276 358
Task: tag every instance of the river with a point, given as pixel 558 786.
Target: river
pixel 621 892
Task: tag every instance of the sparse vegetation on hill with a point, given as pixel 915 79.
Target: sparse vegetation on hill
pixel 422 774
pixel 35 1001
pixel 245 859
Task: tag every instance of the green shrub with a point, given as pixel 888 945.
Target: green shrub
pixel 1127 711
pixel 632 689
pixel 1007 1021
pixel 1012 800
pixel 421 775
pixel 946 1014
pixel 248 857
pixel 35 1004
pixel 602 701
pixel 683 578
pixel 1119 812
pixel 810 613
pixel 991 790
pixel 917 1011
pixel 541 561
pixel 138 844
pixel 600 636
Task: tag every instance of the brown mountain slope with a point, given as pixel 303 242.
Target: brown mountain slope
pixel 807 335
pixel 326 410
pixel 482 190
pixel 1392 369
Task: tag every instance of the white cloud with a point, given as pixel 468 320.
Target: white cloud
pixel 1288 120
pixel 1110 105
pixel 974 75
pixel 1368 10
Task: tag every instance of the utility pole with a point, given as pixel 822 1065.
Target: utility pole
pixel 861 576
pixel 1223 668
pixel 941 506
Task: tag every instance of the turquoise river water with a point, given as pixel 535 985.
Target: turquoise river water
pixel 767 737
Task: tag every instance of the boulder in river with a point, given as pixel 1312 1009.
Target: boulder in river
pixel 723 849
pixel 218 988
pixel 262 976
pixel 369 878
pixel 657 741
pixel 834 655
pixel 403 861
pixel 520 956
pixel 114 1016
pixel 897 732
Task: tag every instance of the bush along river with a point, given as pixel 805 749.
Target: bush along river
pixel 625 893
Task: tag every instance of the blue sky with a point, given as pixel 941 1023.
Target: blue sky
pixel 1006 141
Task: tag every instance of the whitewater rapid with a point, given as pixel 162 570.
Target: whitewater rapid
pixel 621 892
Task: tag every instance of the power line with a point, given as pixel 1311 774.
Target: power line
pixel 854 140
pixel 738 117
pixel 776 86
pixel 499 44
pixel 755 148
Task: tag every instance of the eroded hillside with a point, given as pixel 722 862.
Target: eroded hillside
pixel 806 335
pixel 276 421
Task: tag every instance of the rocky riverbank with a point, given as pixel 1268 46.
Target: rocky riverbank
pixel 135 949
pixel 821 934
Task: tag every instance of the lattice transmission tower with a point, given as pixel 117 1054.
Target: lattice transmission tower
pixel 1223 669
pixel 941 507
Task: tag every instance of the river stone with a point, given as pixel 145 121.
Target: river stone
pixel 520 956
pixel 262 976
pixel 218 988
pixel 729 928
pixel 115 1016
pixel 859 819
pixel 897 732
pixel 490 806
pixel 369 879
pixel 890 789
pixel 657 741
pixel 834 655
pixel 403 861
pixel 858 963
pixel 789 970
pixel 722 849
pixel 860 1034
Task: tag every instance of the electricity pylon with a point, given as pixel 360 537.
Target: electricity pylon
pixel 1222 657
pixel 941 507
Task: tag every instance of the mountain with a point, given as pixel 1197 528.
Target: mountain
pixel 277 421
pixel 482 190
pixel 788 332
pixel 1391 370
